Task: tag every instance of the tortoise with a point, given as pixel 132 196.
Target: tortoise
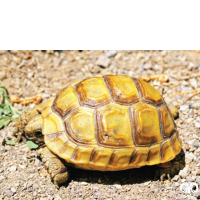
pixel 106 123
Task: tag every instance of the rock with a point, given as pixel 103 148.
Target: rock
pixel 2 52
pixel 189 179
pixel 196 143
pixel 14 190
pixel 111 67
pixel 117 186
pixel 193 83
pixel 195 105
pixel 8 193
pixel 183 173
pixel 13 168
pixel 197 124
pixel 176 178
pixel 198 180
pixel 1 178
pixel 103 61
pixel 197 194
pixel 35 186
pixel 118 56
pixel 190 142
pixel 187 147
pixel 2 75
pixel 186 89
pixel 163 52
pixel 184 107
pixel 84 183
pixel 192 149
pixel 189 158
pixel 30 74
pixel 147 66
pixel 111 53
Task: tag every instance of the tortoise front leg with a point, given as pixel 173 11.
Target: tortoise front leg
pixel 57 170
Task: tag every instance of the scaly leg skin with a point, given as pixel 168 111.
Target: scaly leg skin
pixel 23 120
pixel 164 171
pixel 57 170
pixel 171 168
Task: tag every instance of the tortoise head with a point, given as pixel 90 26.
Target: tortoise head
pixel 33 130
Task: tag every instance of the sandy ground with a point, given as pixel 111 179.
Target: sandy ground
pixel 30 73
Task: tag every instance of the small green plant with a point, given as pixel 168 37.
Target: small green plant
pixel 10 142
pixel 31 145
pixel 7 111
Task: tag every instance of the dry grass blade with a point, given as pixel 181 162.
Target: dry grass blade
pixel 184 93
pixel 190 98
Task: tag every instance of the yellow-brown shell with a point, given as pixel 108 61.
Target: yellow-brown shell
pixel 111 122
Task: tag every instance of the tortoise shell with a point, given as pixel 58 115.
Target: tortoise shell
pixel 110 122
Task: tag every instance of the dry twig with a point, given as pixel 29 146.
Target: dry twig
pixel 26 101
pixel 159 77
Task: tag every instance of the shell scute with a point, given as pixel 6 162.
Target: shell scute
pixel 149 93
pixel 93 92
pixel 66 101
pixel 80 125
pixel 146 123
pixel 139 157
pixel 176 143
pixel 114 127
pixel 82 155
pixel 52 124
pixel 167 151
pixel 121 158
pixel 67 150
pixel 166 121
pixel 55 141
pixel 154 155
pixel 101 158
pixel 122 88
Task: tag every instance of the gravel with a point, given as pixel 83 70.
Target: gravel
pixel 30 73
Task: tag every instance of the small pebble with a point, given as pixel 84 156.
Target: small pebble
pixel 196 143
pixel 84 183
pixel 13 168
pixel 189 179
pixel 189 157
pixel 118 186
pixel 8 193
pixel 193 83
pixel 198 180
pixel 183 107
pixel 176 178
pixel 111 53
pixel 1 178
pixel 13 189
pixel 187 147
pixel 103 61
pixel 147 66
pixel 35 186
pixel 183 173
pixel 30 74
pixel 197 124
pixel 197 194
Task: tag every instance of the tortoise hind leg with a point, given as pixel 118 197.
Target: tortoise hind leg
pixel 57 170
pixel 171 168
